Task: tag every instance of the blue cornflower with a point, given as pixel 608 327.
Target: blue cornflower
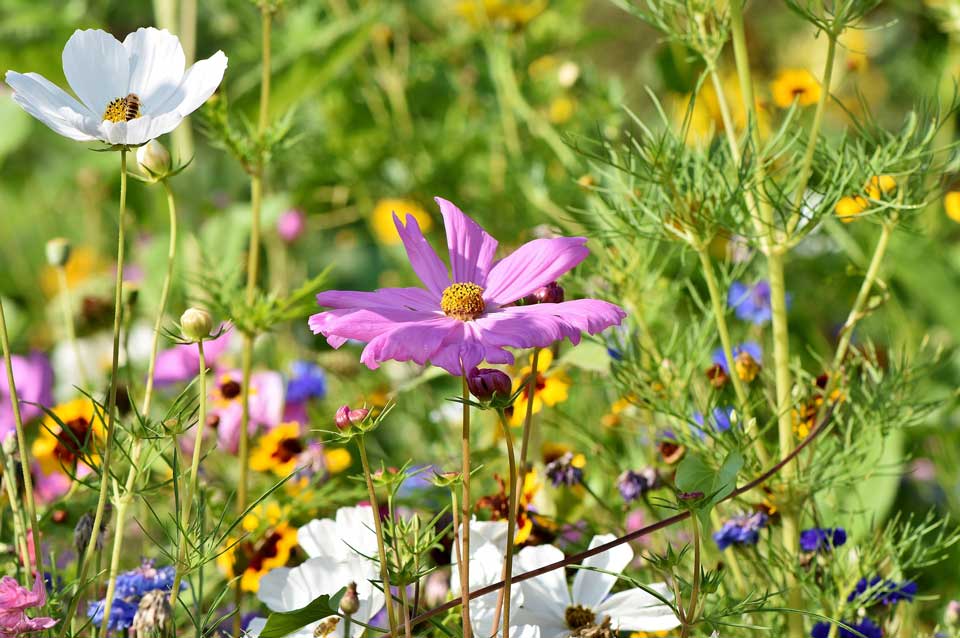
pixel 121 613
pixel 883 591
pixel 137 582
pixel 751 348
pixel 721 420
pixel 866 627
pixel 751 303
pixel 741 530
pixel 308 381
pixel 633 485
pixel 822 539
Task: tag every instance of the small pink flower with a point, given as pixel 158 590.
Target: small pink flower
pixel 182 362
pixel 291 225
pixel 14 601
pixel 33 377
pixel 226 405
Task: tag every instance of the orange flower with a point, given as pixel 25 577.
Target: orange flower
pixel 795 85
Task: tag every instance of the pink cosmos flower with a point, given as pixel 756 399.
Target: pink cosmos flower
pixel 14 601
pixel 182 362
pixel 457 322
pixel 34 380
pixel 226 405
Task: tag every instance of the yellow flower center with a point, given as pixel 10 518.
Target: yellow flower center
pixel 463 301
pixel 578 616
pixel 123 109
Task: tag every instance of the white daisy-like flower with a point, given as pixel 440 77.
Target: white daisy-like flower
pixel 285 589
pixel 350 535
pixel 559 611
pixel 129 92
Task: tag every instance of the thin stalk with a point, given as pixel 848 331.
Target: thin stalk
pixel 30 508
pixel 68 324
pixel 457 553
pixel 88 554
pixel 134 471
pixel 378 528
pixel 503 602
pixel 19 525
pixel 527 426
pixel 404 607
pixel 465 511
pixel 253 271
pixel 720 317
pixel 691 616
pixel 187 502
pixel 730 556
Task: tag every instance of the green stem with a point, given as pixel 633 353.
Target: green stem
pixel 111 404
pixel 507 573
pixel 720 317
pixel 527 427
pixel 731 557
pixel 691 616
pixel 68 321
pixel 187 502
pixel 19 525
pixel 183 135
pixel 465 512
pixel 378 528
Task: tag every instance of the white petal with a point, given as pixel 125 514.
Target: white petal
pixel 50 104
pixel 255 627
pixel 590 587
pixel 546 595
pixel 319 537
pixel 96 67
pixel 199 83
pixel 525 631
pixel 356 527
pixel 140 130
pixel 156 66
pixel 637 610
pixel 271 588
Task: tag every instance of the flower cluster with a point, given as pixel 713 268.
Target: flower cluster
pixel 822 539
pixel 741 530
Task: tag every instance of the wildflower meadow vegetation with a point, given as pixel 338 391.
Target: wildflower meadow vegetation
pixel 477 318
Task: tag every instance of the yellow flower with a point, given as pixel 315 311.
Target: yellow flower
pixel 795 84
pixel 747 367
pixel 951 203
pixel 513 13
pixel 706 116
pixel 613 418
pixel 256 559
pixel 381 221
pixel 278 450
pixel 550 387
pixel 561 110
pixel 880 185
pixel 57 450
pixel 338 460
pixel 83 264
pixel 849 208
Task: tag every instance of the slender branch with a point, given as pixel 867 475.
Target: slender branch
pixel 465 512
pixel 632 536
pixel 378 528
pixel 503 603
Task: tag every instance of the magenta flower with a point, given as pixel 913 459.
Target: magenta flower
pixel 456 323
pixel 182 362
pixel 226 405
pixel 34 380
pixel 291 224
pixel 14 601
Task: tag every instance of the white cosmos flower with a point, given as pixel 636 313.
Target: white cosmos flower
pixel 285 589
pixel 104 73
pixel 350 535
pixel 558 611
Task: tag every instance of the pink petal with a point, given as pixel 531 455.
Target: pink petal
pixel 535 264
pixel 396 298
pixel 422 257
pixel 540 325
pixel 471 248
pixel 415 341
pixel 363 325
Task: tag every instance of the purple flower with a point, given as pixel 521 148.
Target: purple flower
pixel 291 224
pixel 182 362
pixel 457 322
pixel 865 628
pixel 566 470
pixel 721 420
pixel 822 539
pixel 137 582
pixel 741 530
pixel 121 613
pixel 307 382
pixel 750 347
pixel 880 591
pixel 633 485
pixel 34 380
pixel 488 383
pixel 226 405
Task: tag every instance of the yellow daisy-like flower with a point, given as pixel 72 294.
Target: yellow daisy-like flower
pixel 514 13
pixel 381 221
pixel 56 449
pixel 550 388
pixel 795 84
pixel 951 204
pixel 849 208
pixel 254 559
pixel 338 460
pixel 277 451
pixel 879 186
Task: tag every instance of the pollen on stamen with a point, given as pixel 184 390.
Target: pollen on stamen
pixel 463 301
pixel 122 109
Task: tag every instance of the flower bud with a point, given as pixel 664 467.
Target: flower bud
pixel 153 614
pixel 951 617
pixel 487 383
pixel 346 417
pixel 154 159
pixel 551 293
pixel 10 443
pixel 196 324
pixel 350 603
pixel 58 251
pixel 291 224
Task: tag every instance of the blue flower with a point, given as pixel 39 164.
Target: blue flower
pixel 121 613
pixel 822 539
pixel 741 530
pixel 750 347
pixel 881 591
pixel 722 419
pixel 137 582
pixel 307 382
pixel 866 628
pixel 633 485
pixel 751 303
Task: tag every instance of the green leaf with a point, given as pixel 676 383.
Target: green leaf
pixel 281 624
pixel 694 475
